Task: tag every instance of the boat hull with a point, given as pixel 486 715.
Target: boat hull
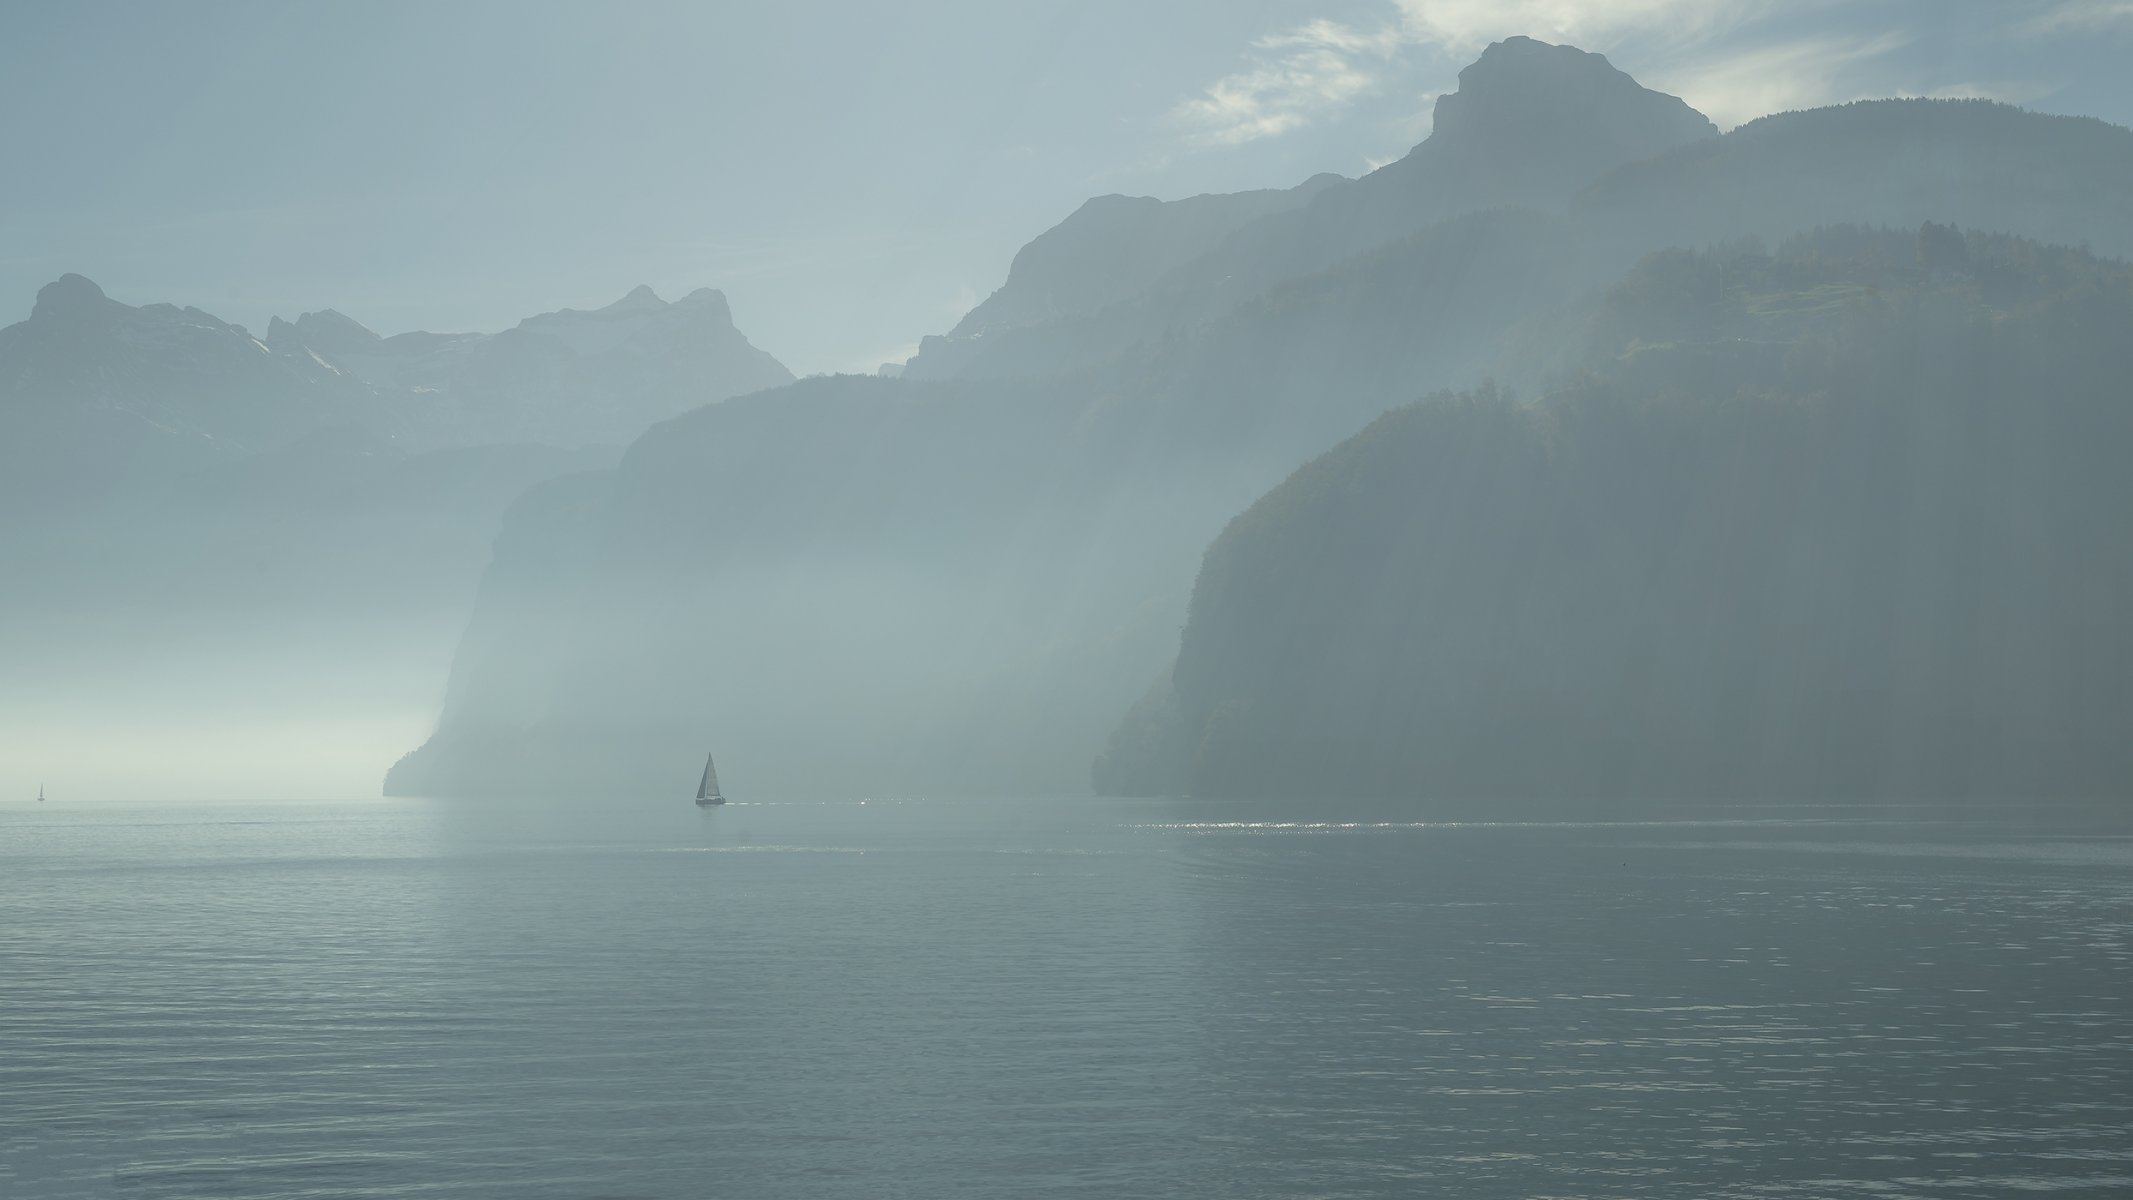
pixel 708 801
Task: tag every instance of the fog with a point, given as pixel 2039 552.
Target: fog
pixel 1235 598
pixel 577 548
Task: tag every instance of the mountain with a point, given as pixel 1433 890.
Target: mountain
pixel 564 378
pixel 1109 250
pixel 851 583
pixel 95 393
pixel 1833 522
pixel 1975 164
pixel 1560 131
pixel 1529 126
pixel 959 583
pixel 286 531
pixel 963 578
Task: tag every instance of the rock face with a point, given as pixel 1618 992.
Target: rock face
pixel 74 300
pixel 1531 124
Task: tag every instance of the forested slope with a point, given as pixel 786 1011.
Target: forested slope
pixel 1846 520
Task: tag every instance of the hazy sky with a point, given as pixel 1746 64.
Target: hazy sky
pixel 853 175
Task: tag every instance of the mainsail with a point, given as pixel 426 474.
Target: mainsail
pixel 709 787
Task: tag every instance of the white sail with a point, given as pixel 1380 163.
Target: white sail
pixel 709 787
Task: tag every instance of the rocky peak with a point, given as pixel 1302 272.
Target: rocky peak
pixel 326 331
pixel 72 298
pixel 1526 97
pixel 710 303
pixel 640 299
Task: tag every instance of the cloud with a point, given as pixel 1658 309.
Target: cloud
pixel 1464 26
pixel 2078 16
pixel 1293 79
pixel 1802 73
pixel 1734 60
pixel 1317 69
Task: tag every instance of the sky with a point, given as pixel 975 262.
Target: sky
pixel 852 175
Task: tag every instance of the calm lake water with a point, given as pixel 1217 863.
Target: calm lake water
pixel 1089 998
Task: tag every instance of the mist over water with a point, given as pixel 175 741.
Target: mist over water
pixel 1381 598
pixel 985 998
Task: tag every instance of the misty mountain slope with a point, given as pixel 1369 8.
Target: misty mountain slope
pixel 1113 247
pixel 851 583
pixel 212 520
pixel 1289 373
pixel 1530 125
pixel 992 561
pixel 1972 163
pixel 1806 537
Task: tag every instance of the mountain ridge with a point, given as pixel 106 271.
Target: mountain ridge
pixel 184 384
pixel 1530 124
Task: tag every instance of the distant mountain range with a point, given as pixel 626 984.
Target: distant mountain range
pixel 961 580
pixel 565 378
pixel 200 520
pixel 94 391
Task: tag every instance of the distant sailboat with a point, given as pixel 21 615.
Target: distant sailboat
pixel 707 791
pixel 40 793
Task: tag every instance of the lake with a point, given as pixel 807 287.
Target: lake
pixel 925 998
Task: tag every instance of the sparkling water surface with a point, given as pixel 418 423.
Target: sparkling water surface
pixel 1093 998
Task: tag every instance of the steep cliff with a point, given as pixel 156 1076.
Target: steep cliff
pixel 1834 523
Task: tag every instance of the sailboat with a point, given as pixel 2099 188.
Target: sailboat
pixel 40 793
pixel 707 791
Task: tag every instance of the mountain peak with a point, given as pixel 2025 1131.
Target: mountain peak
pixel 640 299
pixel 1531 124
pixel 1523 92
pixel 332 322
pixel 325 330
pixel 70 297
pixel 708 300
